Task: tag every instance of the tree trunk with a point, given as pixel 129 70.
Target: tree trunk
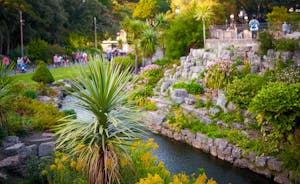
pixel 204 36
pixel 8 44
pixel 136 65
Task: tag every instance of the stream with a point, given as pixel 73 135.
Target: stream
pixel 179 157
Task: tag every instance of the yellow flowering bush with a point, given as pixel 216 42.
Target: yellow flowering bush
pixel 65 170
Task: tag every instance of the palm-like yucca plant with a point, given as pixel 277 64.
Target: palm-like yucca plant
pixel 204 12
pixel 101 89
pixel 148 43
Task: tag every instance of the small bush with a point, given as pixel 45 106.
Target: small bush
pixel 70 112
pixel 266 42
pixel 283 44
pixel 42 74
pixel 29 93
pixel 241 91
pixel 192 88
pixel 278 104
pixel 162 62
pixel 43 115
pixel 124 62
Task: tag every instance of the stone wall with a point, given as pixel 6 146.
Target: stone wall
pixel 268 166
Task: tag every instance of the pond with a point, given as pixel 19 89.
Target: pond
pixel 180 157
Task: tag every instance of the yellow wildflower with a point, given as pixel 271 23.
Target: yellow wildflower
pixel 52 166
pixel 44 172
pixel 151 179
pixel 180 179
pixel 160 165
pixel 60 166
pixel 201 179
pixel 56 160
pixel 64 158
pixel 211 181
pixel 123 162
pixel 73 164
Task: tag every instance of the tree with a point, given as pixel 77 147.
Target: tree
pixel 161 25
pixel 204 12
pixel 42 74
pixel 184 33
pixel 145 9
pixel 278 15
pixel 148 43
pixel 100 141
pixel 134 29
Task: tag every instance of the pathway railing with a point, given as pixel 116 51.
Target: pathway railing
pixel 241 31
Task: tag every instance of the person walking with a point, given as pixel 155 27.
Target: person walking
pixel 6 62
pixel 285 28
pixel 254 26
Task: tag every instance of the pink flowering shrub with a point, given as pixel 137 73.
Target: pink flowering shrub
pixel 150 74
pixel 149 67
pixel 219 73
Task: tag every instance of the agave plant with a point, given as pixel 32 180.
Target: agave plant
pixel 101 89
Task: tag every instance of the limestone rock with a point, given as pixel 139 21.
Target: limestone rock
pixel 261 161
pixel 221 143
pixel 238 126
pixel 236 152
pixel 165 85
pixel 221 101
pixel 282 178
pixel 10 140
pixel 14 149
pixel 242 163
pixel 10 162
pixel 274 164
pixel 45 149
pixel 213 111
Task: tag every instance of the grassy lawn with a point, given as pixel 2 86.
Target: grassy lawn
pixel 58 73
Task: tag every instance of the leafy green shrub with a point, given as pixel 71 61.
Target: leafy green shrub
pixel 42 74
pixel 70 112
pixel 151 74
pixel 37 49
pixel 283 44
pixel 241 91
pixel 162 62
pixel 33 170
pixel 29 93
pixel 266 42
pixel 124 62
pixel 289 75
pixel 192 88
pixel 279 104
pixel 18 125
pixel 43 115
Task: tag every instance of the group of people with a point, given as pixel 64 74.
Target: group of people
pixel 81 57
pixel 22 63
pixel 113 53
pixel 60 60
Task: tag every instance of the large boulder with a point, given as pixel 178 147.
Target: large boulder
pixel 46 149
pixel 10 162
pixel 274 164
pixel 10 140
pixel 178 95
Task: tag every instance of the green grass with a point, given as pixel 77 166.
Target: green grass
pixel 58 73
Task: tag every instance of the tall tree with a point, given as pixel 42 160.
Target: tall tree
pixel 134 29
pixel 100 141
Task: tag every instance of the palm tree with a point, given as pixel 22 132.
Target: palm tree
pixel 134 28
pixel 204 12
pixel 161 24
pixel 148 43
pixel 101 89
